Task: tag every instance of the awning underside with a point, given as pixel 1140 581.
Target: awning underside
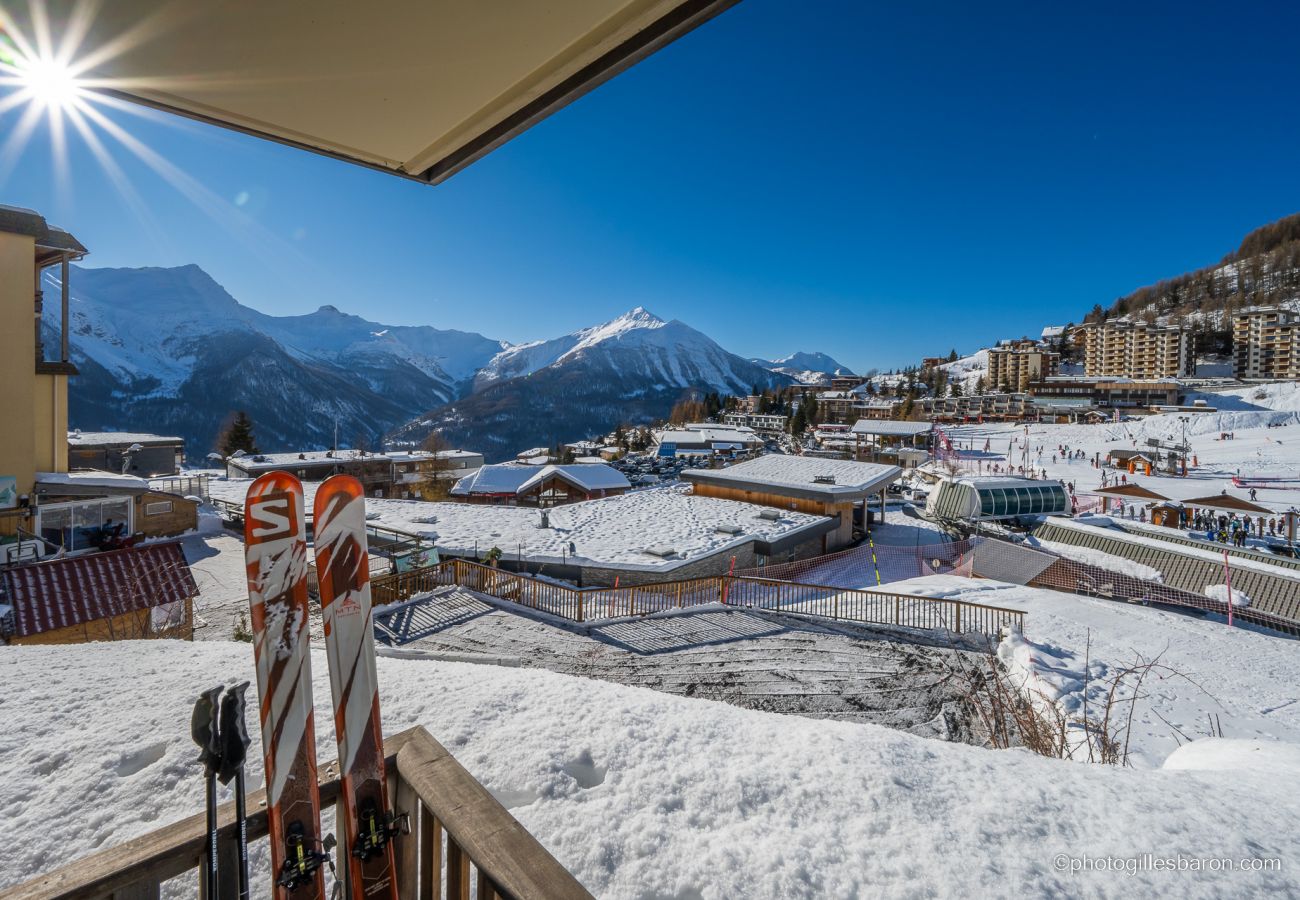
pixel 418 88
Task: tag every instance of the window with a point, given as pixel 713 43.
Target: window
pixel 84 525
pixel 158 509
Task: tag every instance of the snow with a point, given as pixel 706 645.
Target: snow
pixel 95 438
pixel 1209 553
pixel 646 795
pixel 968 370
pixel 513 478
pixel 1098 558
pixel 1227 754
pixel 802 472
pixel 1222 593
pixel 1245 678
pixel 92 479
pixel 612 532
pixel 670 353
pixel 146 325
pixel 1265 420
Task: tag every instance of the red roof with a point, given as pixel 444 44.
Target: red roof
pixel 81 589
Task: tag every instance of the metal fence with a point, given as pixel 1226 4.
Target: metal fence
pixel 588 604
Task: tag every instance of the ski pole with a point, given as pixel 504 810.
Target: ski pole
pixel 203 728
pixel 234 751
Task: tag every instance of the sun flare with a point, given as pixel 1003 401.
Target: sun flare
pixel 48 82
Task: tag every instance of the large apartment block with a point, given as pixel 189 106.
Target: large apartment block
pixel 1266 343
pixel 1122 348
pixel 1012 366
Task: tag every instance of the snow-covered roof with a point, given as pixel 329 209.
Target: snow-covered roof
pixel 612 532
pixel 891 427
pixel 536 451
pixel 113 438
pixel 803 476
pixel 1052 331
pixel 511 478
pixel 708 435
pixel 266 462
pixel 91 479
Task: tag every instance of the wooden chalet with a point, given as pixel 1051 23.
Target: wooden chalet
pixel 118 595
pixel 550 485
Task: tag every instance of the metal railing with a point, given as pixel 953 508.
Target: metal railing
pixel 587 604
pixel 461 840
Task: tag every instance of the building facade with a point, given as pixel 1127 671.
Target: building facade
pixel 1108 393
pixel 1013 366
pixel 146 455
pixel 1122 348
pixel 1266 343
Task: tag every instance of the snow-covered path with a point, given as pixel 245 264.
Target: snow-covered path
pixel 646 795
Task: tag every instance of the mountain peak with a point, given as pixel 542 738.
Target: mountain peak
pixel 641 317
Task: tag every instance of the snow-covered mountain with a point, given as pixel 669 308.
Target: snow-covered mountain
pixel 168 349
pixel 630 369
pixel 805 368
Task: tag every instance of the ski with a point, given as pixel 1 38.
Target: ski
pixel 343 573
pixel 275 547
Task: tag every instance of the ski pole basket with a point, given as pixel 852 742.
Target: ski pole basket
pixel 462 843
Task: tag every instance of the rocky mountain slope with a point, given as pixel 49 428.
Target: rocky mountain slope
pixel 169 350
pixel 631 369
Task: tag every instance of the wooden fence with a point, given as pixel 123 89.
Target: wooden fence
pixel 587 604
pixel 459 833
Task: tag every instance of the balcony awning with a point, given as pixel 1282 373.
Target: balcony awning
pixel 417 88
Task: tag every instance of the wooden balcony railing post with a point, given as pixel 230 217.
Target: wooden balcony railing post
pixel 457 871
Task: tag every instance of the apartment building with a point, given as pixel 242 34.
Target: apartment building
pixel 846 407
pixel 1266 343
pixel 1122 348
pixel 1014 364
pixel 1107 393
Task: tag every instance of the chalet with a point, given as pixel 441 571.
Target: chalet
pixel 126 594
pixel 511 484
pixel 130 453
pixel 824 487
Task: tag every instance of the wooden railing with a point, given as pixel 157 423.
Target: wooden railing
pixel 587 604
pixel 460 837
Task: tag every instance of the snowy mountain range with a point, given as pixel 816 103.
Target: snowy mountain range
pixel 805 368
pixel 631 369
pixel 169 350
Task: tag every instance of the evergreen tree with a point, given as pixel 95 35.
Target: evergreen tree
pixel 799 421
pixel 952 355
pixel 238 435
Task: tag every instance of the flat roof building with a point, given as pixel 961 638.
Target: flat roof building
pixel 130 453
pixel 825 487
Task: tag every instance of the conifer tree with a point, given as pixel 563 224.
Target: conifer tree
pixel 238 435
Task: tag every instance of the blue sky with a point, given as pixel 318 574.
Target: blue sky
pixel 876 181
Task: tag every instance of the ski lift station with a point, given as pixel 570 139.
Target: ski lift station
pixel 990 498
